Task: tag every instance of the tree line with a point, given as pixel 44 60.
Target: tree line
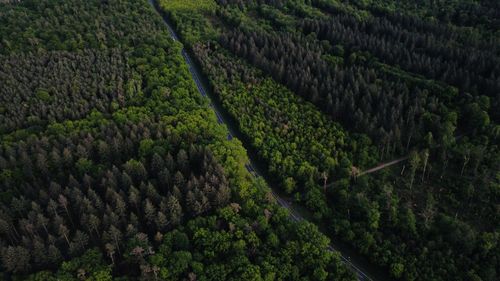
pixel 126 173
pixel 63 86
pixel 410 218
pixel 429 54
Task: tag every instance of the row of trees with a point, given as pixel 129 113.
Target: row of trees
pixel 53 26
pixel 148 189
pixel 403 109
pixel 391 223
pixel 236 243
pixel 299 144
pixel 481 15
pixel 361 97
pixel 409 219
pixel 92 198
pixel 429 54
pixel 62 85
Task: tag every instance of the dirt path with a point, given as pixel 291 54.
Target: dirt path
pixel 382 166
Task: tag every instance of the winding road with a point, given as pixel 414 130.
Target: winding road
pixel 294 214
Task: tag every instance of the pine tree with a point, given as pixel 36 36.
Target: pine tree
pixel 174 210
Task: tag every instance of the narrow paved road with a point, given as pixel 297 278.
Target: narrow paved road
pixel 294 214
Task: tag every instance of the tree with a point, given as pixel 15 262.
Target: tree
pixel 136 170
pixel 39 253
pixel 145 147
pixel 466 154
pixel 64 232
pixel 174 210
pixel 425 158
pixel 161 221
pixel 157 164
pixel 414 161
pixel 397 270
pixel 165 179
pixel 79 243
pixel 110 250
pixel 477 117
pixel 289 185
pixel 408 222
pixel 53 255
pixel 114 235
pixel 149 211
pixel 16 259
pixel 429 211
pixel 64 203
pixel 183 160
pixel 223 195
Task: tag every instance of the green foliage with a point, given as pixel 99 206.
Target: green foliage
pixel 84 166
pixel 134 177
pixel 397 270
pixel 190 18
pixel 90 266
pixel 43 95
pixel 107 145
pixel 394 77
pixel 222 252
pixel 295 142
pixel 188 5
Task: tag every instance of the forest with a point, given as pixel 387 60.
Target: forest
pixel 114 167
pixel 328 91
pixel 378 120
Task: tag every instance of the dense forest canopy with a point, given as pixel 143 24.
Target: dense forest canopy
pixel 378 120
pixel 325 90
pixel 114 167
